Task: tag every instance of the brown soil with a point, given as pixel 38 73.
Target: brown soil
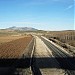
pixel 4 39
pixel 15 48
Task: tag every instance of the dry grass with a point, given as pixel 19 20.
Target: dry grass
pixel 63 36
pixel 72 43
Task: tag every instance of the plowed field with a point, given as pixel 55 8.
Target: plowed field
pixel 15 48
pixel 4 39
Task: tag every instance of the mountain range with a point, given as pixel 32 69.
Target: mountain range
pixel 22 28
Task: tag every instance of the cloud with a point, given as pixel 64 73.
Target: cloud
pixel 69 7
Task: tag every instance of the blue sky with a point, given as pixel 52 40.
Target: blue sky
pixel 40 14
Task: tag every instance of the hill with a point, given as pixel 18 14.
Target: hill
pixel 22 28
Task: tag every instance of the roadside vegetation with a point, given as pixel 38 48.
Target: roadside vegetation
pixel 63 36
pixel 65 39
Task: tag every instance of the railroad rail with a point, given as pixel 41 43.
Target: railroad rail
pixel 65 60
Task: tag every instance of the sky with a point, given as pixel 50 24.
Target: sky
pixel 39 14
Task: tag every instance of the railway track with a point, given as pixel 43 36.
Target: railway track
pixel 42 61
pixel 66 61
